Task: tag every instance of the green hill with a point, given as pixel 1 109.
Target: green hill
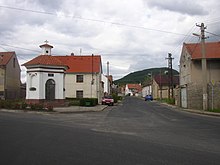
pixel 142 76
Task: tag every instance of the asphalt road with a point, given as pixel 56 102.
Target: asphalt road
pixel 134 132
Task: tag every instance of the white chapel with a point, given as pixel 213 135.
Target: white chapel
pixel 45 78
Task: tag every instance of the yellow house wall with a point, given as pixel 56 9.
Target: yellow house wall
pixel 89 91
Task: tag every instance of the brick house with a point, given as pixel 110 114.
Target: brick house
pixel 9 76
pixel 191 95
pixel 54 78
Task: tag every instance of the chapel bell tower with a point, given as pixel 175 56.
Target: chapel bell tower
pixel 46 48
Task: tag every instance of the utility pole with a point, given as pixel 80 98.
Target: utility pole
pixel 92 81
pixel 204 66
pixel 170 74
pixel 108 78
pixel 160 87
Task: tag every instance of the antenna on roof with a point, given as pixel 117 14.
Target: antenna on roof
pixel 80 51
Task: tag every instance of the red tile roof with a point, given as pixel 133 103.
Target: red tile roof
pixel 45 60
pixel 76 64
pixel 82 64
pixel 134 86
pixel 212 50
pixel 164 79
pixel 5 57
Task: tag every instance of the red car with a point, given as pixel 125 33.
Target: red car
pixel 108 100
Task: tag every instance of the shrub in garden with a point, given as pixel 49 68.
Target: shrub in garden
pixel 7 104
pixel 23 105
pixel 49 108
pixel 170 101
pixel 116 97
pixel 74 102
pixel 16 105
pixel 88 101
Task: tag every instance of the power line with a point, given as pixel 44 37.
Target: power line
pixel 185 38
pixel 213 34
pixel 212 21
pixel 4 48
pixel 94 20
pixel 20 48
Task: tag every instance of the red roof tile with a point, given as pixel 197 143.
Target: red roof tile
pixel 164 79
pixel 5 57
pixel 134 86
pixel 76 64
pixel 212 50
pixel 45 60
pixel 82 64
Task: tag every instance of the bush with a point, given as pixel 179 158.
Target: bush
pixel 36 106
pixel 116 98
pixel 73 101
pixel 7 104
pixel 49 108
pixel 170 101
pixel 16 105
pixel 214 110
pixel 23 105
pixel 88 101
pixel 32 106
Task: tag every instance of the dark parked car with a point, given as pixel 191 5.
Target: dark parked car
pixel 148 98
pixel 108 100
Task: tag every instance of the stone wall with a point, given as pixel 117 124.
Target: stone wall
pixel 194 96
pixel 214 96
pixel 195 99
pixel 177 96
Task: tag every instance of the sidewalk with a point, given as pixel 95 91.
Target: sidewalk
pixel 71 109
pixel 78 109
pixel 193 110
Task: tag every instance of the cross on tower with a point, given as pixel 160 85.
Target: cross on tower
pixel 46 41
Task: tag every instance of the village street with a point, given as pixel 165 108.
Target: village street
pixel 133 132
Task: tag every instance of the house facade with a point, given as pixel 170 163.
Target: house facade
pixel 133 89
pixel 191 94
pixel 107 84
pixel 83 79
pixel 161 86
pixel 147 90
pixel 55 78
pixel 9 76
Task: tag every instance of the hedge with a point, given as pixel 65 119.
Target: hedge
pixel 88 101
pixel 13 104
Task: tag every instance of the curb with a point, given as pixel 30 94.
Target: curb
pixel 79 111
pixel 26 111
pixel 55 111
pixel 201 112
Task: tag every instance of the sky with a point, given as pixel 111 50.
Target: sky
pixel 131 35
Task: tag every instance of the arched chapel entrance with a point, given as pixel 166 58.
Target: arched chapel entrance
pixel 50 89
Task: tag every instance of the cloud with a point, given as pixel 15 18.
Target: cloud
pixel 131 35
pixel 179 6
